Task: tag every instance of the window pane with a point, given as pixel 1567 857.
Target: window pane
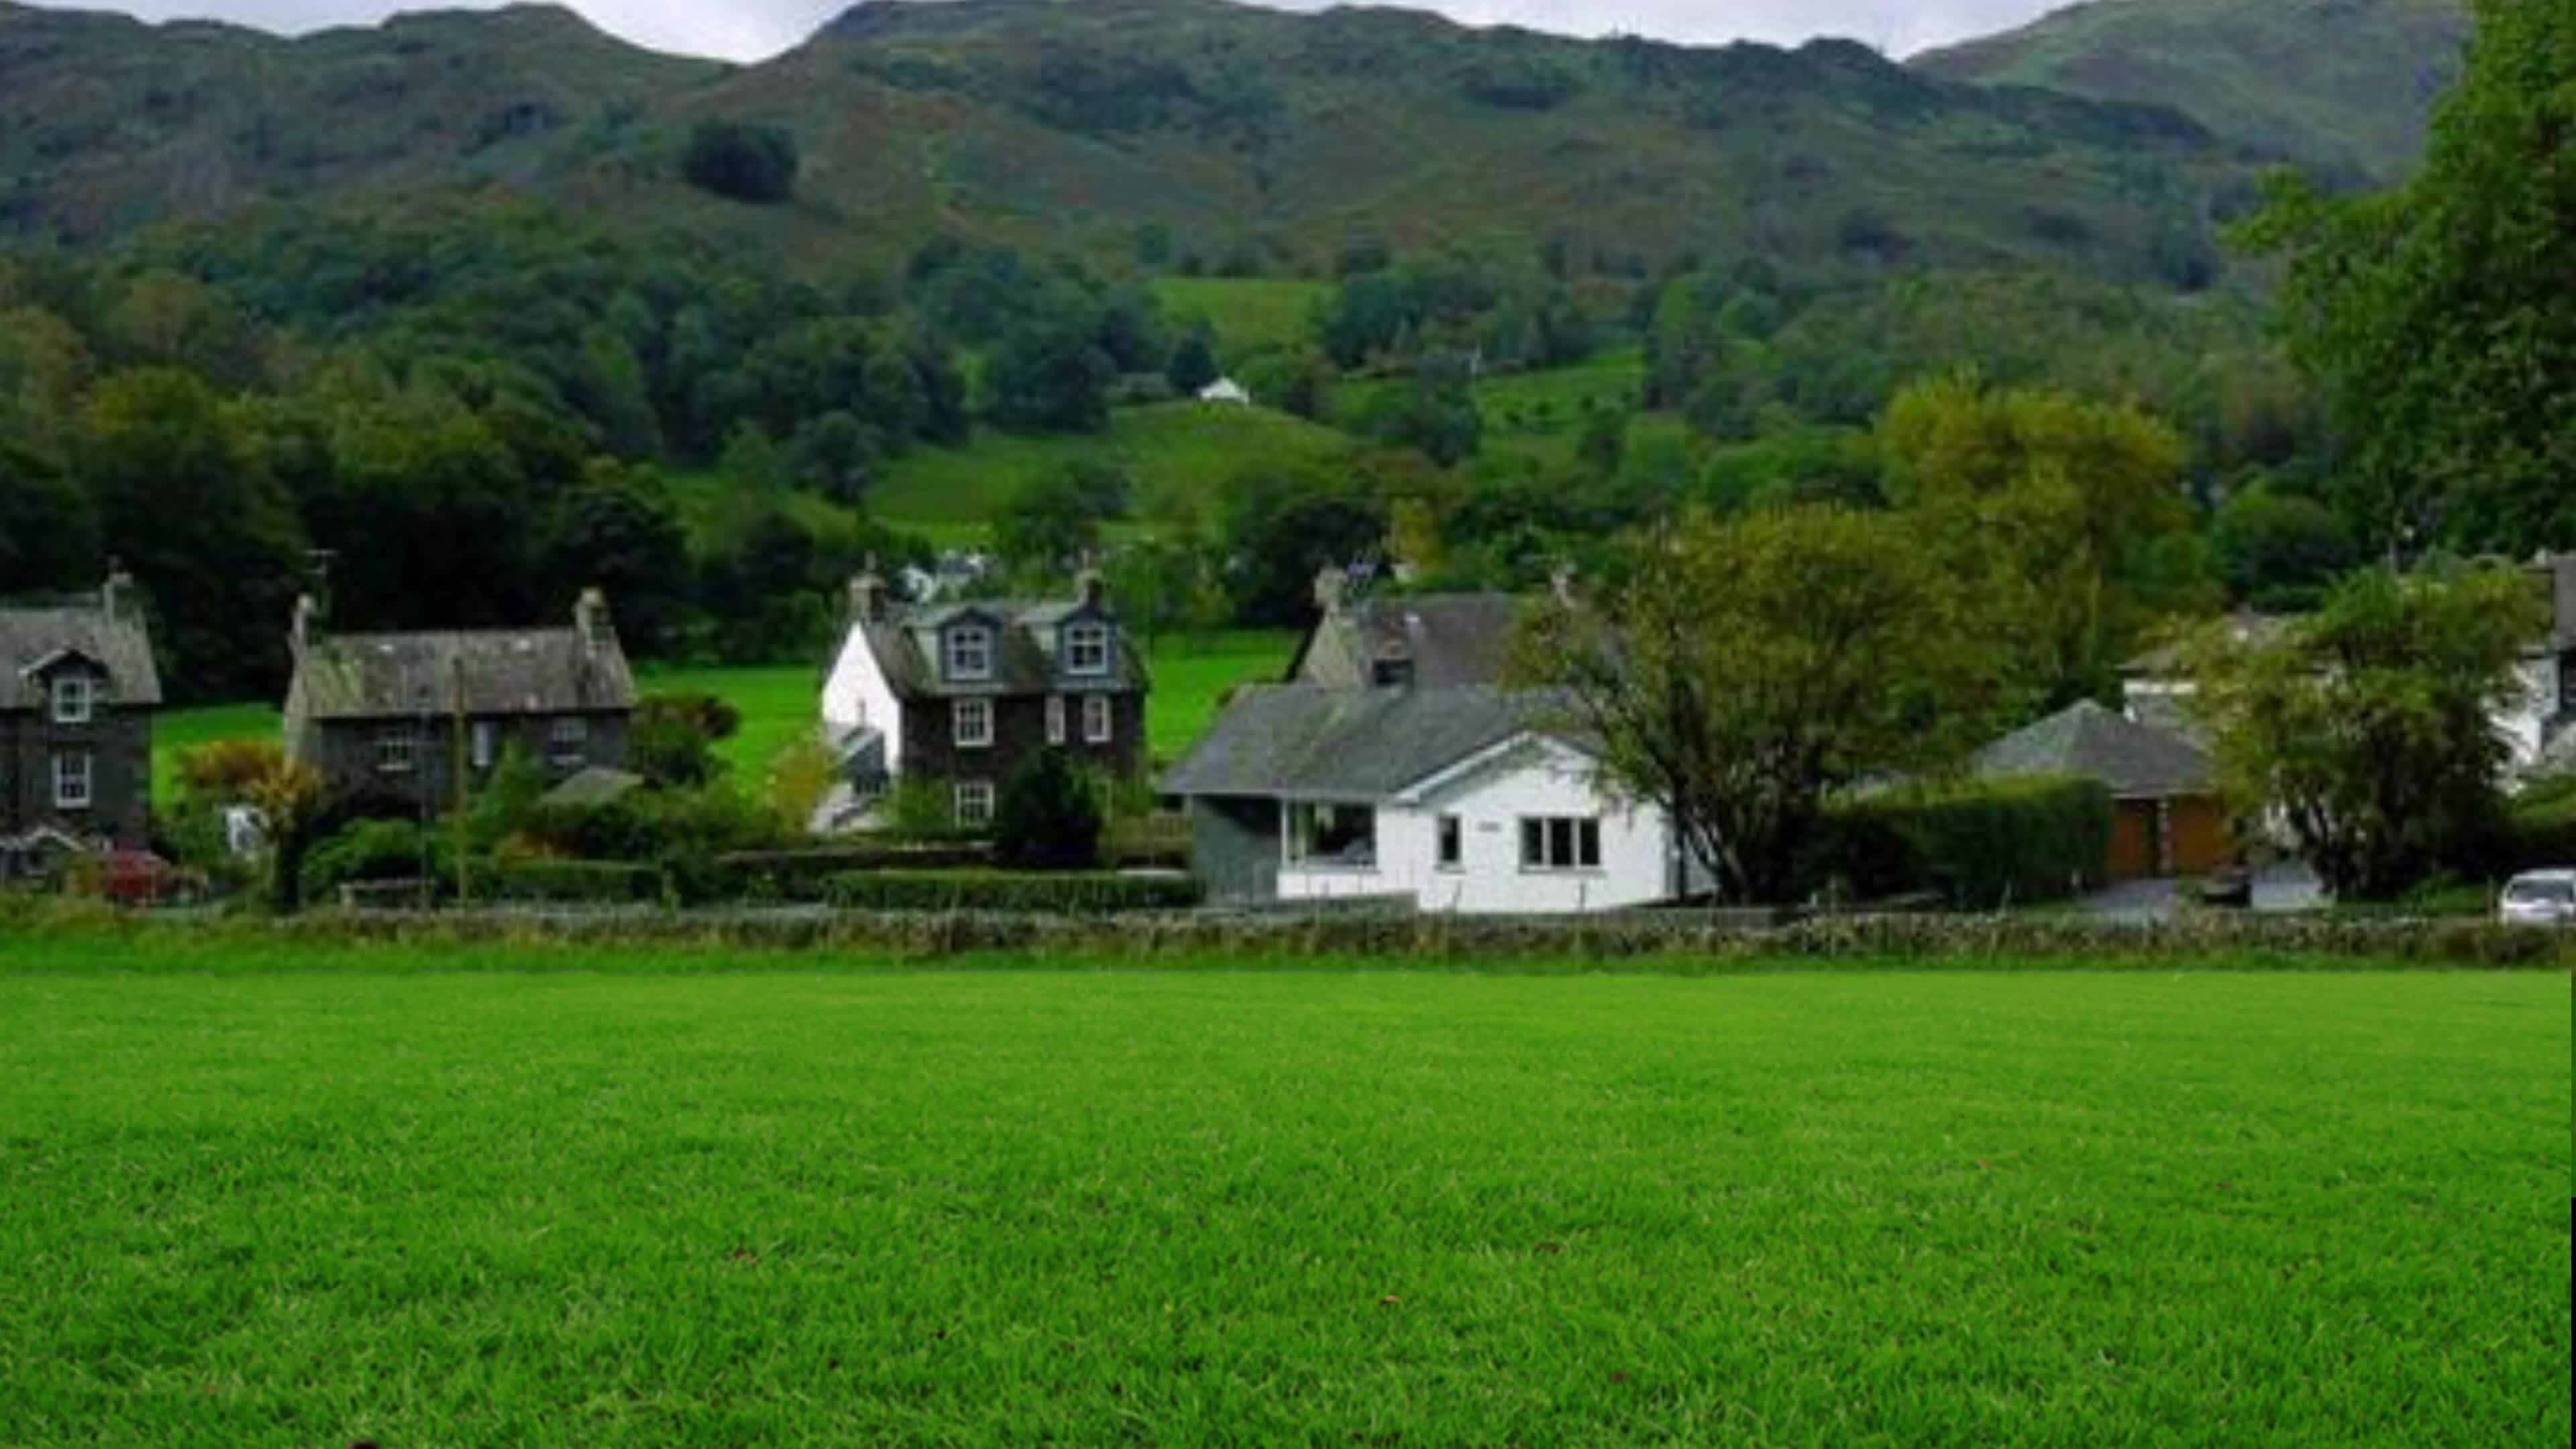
pixel 1560 843
pixel 1533 846
pixel 1590 856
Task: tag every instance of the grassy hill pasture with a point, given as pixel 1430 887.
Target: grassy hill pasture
pixel 264 1196
pixel 1249 313
pixel 1191 447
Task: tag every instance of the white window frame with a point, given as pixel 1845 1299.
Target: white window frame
pixel 1055 719
pixel 967 641
pixel 75 699
pixel 1448 843
pixel 1088 638
pixel 1566 844
pixel 74 780
pixel 972 804
pixel 568 742
pixel 1099 719
pixel 486 743
pixel 397 750
pixel 975 708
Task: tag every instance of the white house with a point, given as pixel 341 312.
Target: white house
pixel 1463 799
pixel 1226 390
pixel 2536 727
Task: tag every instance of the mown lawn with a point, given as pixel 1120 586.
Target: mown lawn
pixel 602 1207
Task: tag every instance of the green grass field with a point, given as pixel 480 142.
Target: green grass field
pixel 950 494
pixel 779 702
pixel 358 1193
pixel 1249 313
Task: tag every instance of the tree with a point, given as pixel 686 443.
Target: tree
pixel 2368 727
pixel 1053 520
pixel 2279 551
pixel 1048 817
pixel 2054 505
pixel 2438 319
pixel 1435 413
pixel 1050 375
pixel 1735 673
pixel 673 738
pixel 1282 523
pixel 1193 364
pixel 755 164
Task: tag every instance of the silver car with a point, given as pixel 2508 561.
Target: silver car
pixel 2539 898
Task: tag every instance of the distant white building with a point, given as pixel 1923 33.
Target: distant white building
pixel 1226 390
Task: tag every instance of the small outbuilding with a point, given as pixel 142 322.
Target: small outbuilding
pixel 2169 819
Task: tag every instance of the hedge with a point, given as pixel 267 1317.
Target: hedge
pixel 1075 893
pixel 1978 845
pixel 570 880
pixel 805 875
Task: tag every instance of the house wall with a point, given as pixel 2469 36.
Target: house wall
pixel 119 744
pixel 2527 725
pixel 343 753
pixel 930 750
pixel 1542 779
pixel 856 693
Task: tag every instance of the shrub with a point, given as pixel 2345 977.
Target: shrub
pixel 1048 817
pixel 673 738
pixel 365 851
pixel 1977 845
pixel 1065 893
pixel 570 880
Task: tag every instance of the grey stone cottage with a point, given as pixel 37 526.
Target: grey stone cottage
pixel 77 693
pixel 962 694
pixel 378 716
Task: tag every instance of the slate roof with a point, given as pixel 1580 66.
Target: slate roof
pixel 1313 742
pixel 2084 739
pixel 2246 628
pixel 506 672
pixel 906 646
pixel 2562 570
pixel 1453 640
pixel 32 636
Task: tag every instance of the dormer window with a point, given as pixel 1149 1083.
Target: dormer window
pixel 970 653
pixel 1086 648
pixel 75 699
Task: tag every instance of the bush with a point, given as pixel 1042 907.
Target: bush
pixel 673 738
pixel 1978 845
pixel 570 880
pixel 1087 893
pixel 805 875
pixel 367 851
pixel 1048 817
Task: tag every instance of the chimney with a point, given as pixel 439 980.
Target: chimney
pixel 116 596
pixel 308 623
pixel 590 616
pixel 1332 587
pixel 1091 586
pixel 867 595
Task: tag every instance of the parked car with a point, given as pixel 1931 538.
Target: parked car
pixel 2539 898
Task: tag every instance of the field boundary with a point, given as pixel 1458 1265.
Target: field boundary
pixel 1180 940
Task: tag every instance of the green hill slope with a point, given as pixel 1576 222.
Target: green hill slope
pixel 2346 86
pixel 1238 138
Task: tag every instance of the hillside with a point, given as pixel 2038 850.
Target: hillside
pixel 107 124
pixel 2345 86
pixel 1190 134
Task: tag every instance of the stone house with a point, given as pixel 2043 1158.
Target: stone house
pixel 961 694
pixel 78 689
pixel 389 718
pixel 1428 641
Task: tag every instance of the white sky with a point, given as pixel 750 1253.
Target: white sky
pixel 754 29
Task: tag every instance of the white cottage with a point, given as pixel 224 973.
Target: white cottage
pixel 1464 799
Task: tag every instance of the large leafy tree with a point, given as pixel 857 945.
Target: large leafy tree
pixel 2368 727
pixel 2439 317
pixel 1738 672
pixel 2069 515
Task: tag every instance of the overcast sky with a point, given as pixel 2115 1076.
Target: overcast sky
pixel 752 29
